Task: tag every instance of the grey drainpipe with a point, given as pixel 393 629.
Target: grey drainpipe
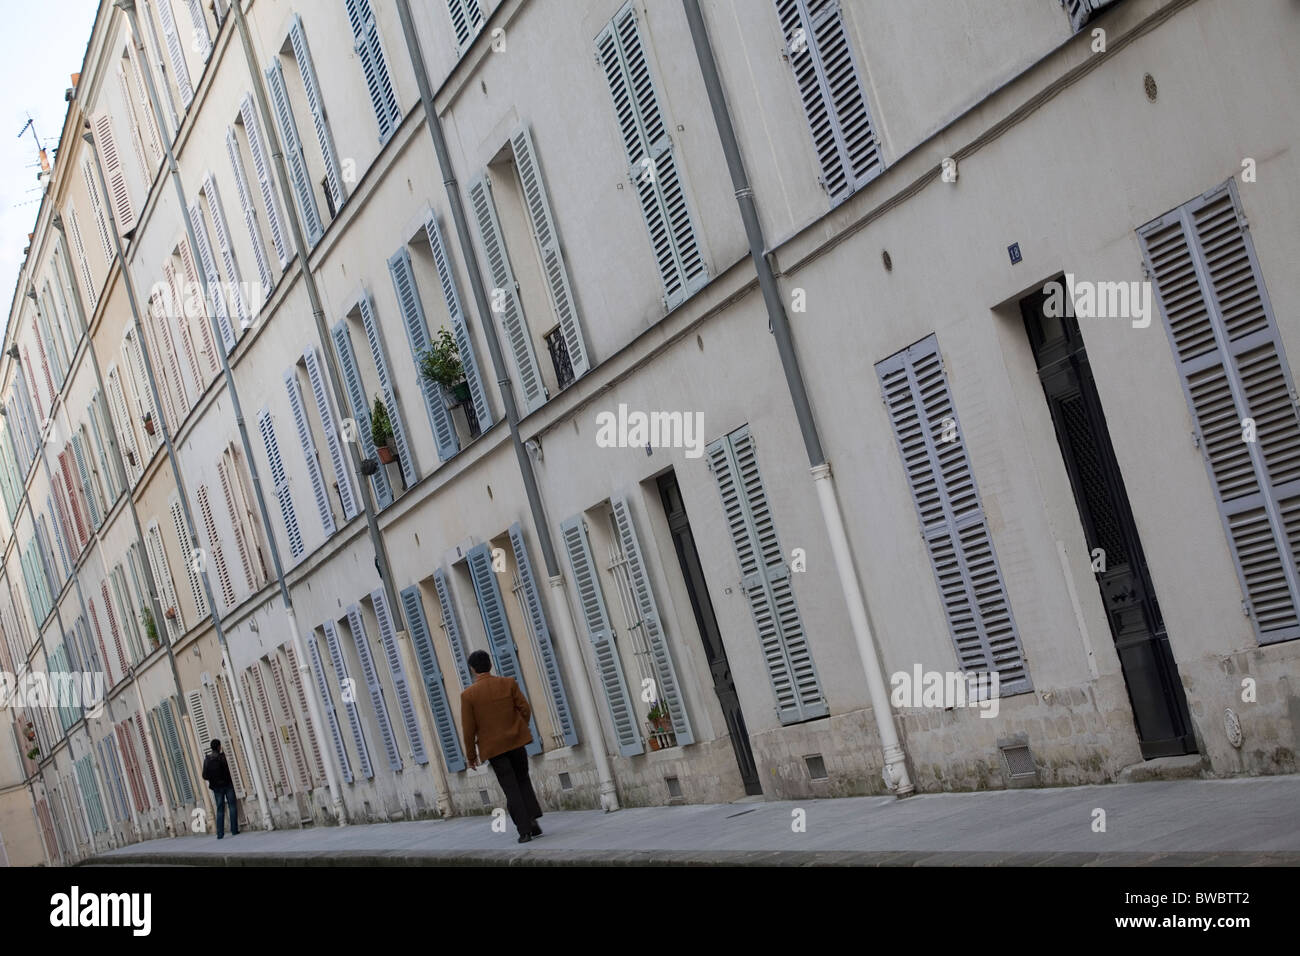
pixel 566 631
pixel 895 768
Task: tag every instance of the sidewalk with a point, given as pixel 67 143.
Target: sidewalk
pixel 1249 821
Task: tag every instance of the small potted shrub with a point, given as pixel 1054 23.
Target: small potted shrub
pixel 441 365
pixel 150 626
pixel 148 423
pixel 381 432
pixel 33 753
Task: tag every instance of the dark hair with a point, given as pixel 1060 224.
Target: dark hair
pixel 479 662
pixel 216 745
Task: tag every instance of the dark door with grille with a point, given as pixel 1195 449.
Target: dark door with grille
pixel 1154 689
pixel 707 622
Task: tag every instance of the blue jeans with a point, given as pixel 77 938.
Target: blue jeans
pixel 222 796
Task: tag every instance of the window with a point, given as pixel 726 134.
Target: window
pixel 434 687
pixel 172 624
pixel 280 482
pixel 187 546
pixel 335 646
pixel 327 700
pixel 215 550
pixel 164 343
pixel 397 672
pixel 258 151
pixel 328 435
pixel 265 738
pixel 371 676
pixel 236 301
pixel 249 542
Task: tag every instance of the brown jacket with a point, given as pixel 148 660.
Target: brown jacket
pixel 494 715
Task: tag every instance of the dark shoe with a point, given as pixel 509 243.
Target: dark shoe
pixel 525 837
pixel 220 837
pixel 537 831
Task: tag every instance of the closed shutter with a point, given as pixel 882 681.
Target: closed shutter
pixel 175 752
pixel 280 482
pixel 175 52
pixel 140 386
pixel 87 281
pixel 99 428
pixel 200 36
pixel 466 20
pixel 87 489
pixel 371 676
pixel 380 356
pixel 99 638
pixel 185 326
pixel 434 688
pixel 293 155
pixel 952 519
pixel 765 578
pixel 114 173
pixel 198 310
pixel 360 408
pixel 171 387
pixel 311 91
pixel 417 334
pixel 451 626
pixel 160 748
pixel 139 795
pixel 1081 11
pixel 548 245
pixel 269 728
pixel 226 722
pixel 213 277
pixel 309 452
pixel 288 727
pixel 138 723
pixel 545 646
pixel 651 163
pixel 304 710
pixel 459 328
pixel 137 139
pixel 113 630
pixel 259 744
pixel 506 292
pixel 401 686
pixel 90 793
pixel 347 495
pixel 221 232
pixel 497 627
pixel 59 521
pixel 162 575
pixel 261 167
pixel 123 427
pixel 113 780
pixel 374 67
pixel 350 705
pixel 1233 367
pixel 73 499
pixel 199 719
pixel 595 618
pixel 236 523
pixel 250 215
pixel 215 549
pixel 150 126
pixel 188 546
pixel 331 716
pixel 97 208
pixel 817 47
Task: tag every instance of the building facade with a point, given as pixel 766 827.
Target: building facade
pixel 354 337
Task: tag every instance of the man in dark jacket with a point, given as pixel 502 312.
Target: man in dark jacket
pixel 217 773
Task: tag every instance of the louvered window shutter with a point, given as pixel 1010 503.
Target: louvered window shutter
pixel 114 174
pixel 259 745
pixel 374 67
pixel 176 752
pixel 417 334
pixel 360 408
pixel 162 575
pixel 213 277
pixel 817 48
pixel 311 91
pixel 136 136
pixel 99 427
pixel 215 549
pixel 175 52
pixel 451 626
pixel 250 215
pixel 138 723
pixel 293 155
pixel 371 676
pixel 466 20
pixel 185 326
pixel 434 688
pixel 506 293
pixel 459 328
pixel 236 522
pixel 350 705
pixel 138 796
pixel 113 629
pixel 234 297
pixel 401 686
pixel 1233 367
pixel 74 501
pixel 270 728
pixel 140 386
pixel 171 386
pixel 765 578
pixel 87 490
pixel 154 140
pixel 1081 11
pixel 200 37
pixel 158 736
pixel 952 519
pixel 99 638
pixel 300 693
pixel 199 719
pixel 601 633
pixel 87 281
pixel 280 482
pixel 309 452
pixel 35 388
pixel 227 726
pixel 347 494
pixel 497 627
pixel 377 352
pixel 331 716
pixel 548 245
pixel 197 311
pixel 541 630
pixel 652 166
pixel 187 555
pixel 122 425
pixel 288 727
pixel 113 780
pixel 257 148
pixel 59 522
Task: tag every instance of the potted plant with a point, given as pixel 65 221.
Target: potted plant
pixel 170 614
pixel 33 753
pixel 381 432
pixel 150 627
pixel 661 726
pixel 441 365
pixel 148 422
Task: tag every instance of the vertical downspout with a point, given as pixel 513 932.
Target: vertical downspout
pixel 895 769
pixel 566 631
pixel 313 706
pixel 333 377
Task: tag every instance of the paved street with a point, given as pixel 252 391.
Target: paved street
pixel 1249 821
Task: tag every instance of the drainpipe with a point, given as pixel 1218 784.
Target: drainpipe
pixel 566 631
pixel 895 769
pixel 182 494
pixel 334 377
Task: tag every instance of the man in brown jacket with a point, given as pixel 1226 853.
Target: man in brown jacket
pixel 495 714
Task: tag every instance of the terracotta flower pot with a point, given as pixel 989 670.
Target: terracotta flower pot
pixel 385 454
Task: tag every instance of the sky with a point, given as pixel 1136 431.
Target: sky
pixel 41 46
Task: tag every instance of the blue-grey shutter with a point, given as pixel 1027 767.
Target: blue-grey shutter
pixel 500 641
pixel 311 90
pixel 175 51
pixel 358 628
pixel 765 578
pixel 401 686
pixel 1081 11
pixel 100 427
pixel 257 148
pixel 249 212
pixel 302 186
pixel 601 633
pixel 952 519
pixel 451 624
pixel 58 535
pixel 466 20
pixel 309 452
pixel 548 245
pixel 327 701
pixel 1229 356
pixel 354 715
pixel 87 488
pixel 175 754
pixel 542 632
pixel 360 408
pixel 280 482
pixel 434 688
pixel 374 67
pixel 417 333
pixel 669 691
pixel 113 807
pixel 118 775
pixel 213 277
pixel 316 375
pixel 380 356
pixel 817 48
pixel 459 328
pixel 90 793
pixel 506 292
pixel 239 309
pixel 651 163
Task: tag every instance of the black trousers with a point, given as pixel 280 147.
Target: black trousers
pixel 511 769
